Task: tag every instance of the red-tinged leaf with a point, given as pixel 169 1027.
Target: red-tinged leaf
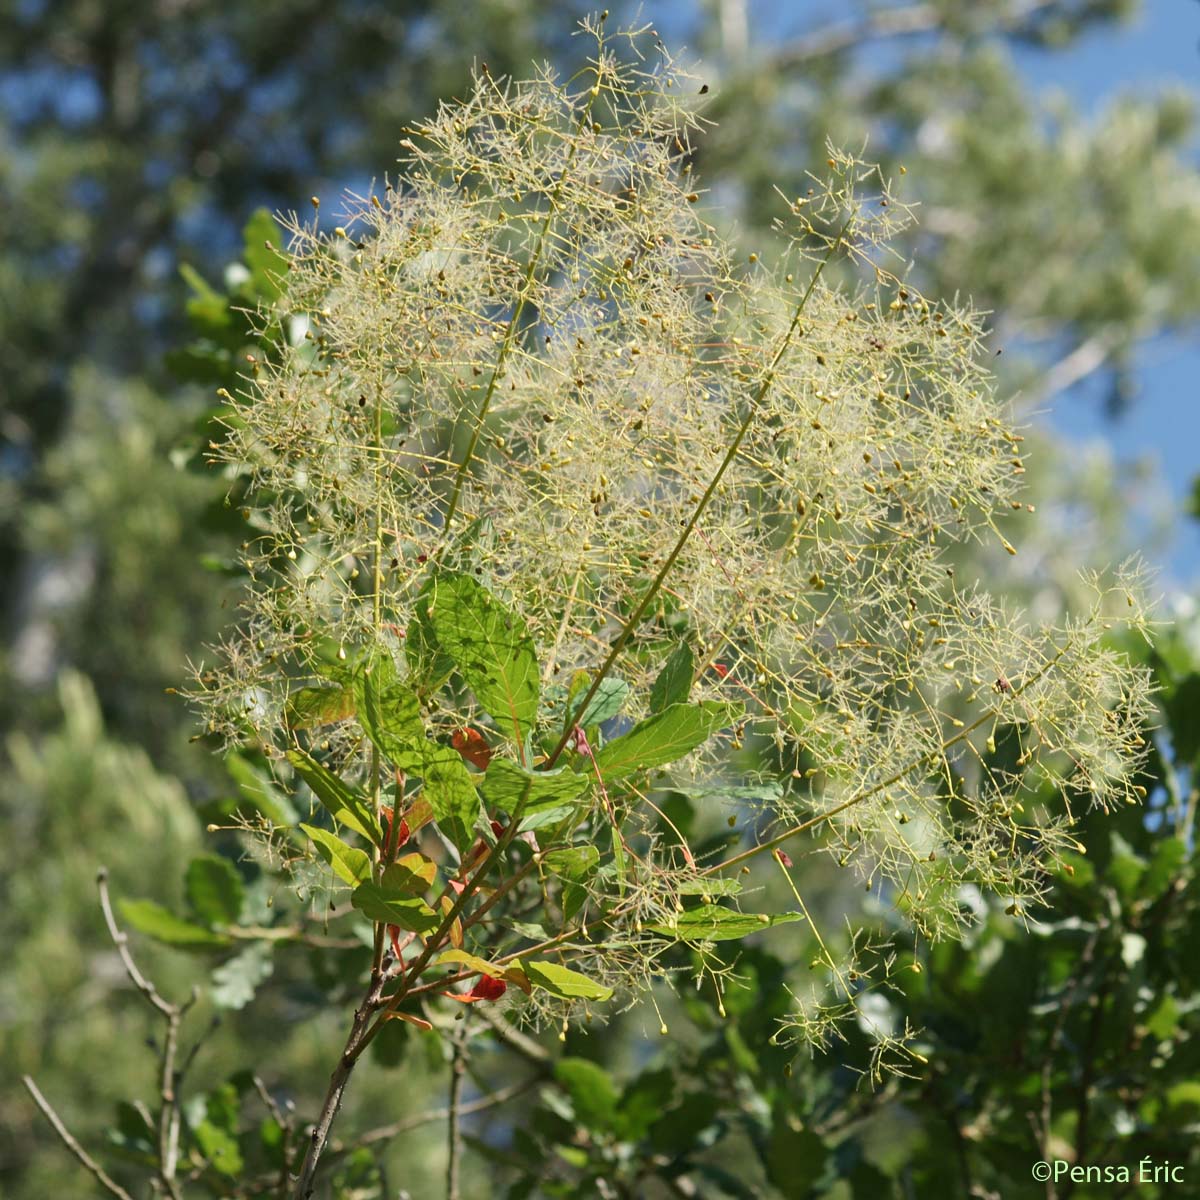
pixel 419 814
pixel 486 988
pixel 456 930
pixel 473 747
pixel 404 833
pixel 489 989
pixel 419 1022
pixel 517 976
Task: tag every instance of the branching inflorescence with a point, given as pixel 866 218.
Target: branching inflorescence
pixel 539 459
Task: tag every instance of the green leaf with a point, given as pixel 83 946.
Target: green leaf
pixel 712 923
pixel 795 1157
pixel 664 738
pixel 591 1089
pixel 708 887
pixel 674 682
pixel 349 863
pixel 545 817
pixel 492 649
pixel 394 907
pixel 645 1100
pixel 618 849
pixel 449 788
pixel 574 866
pixel 461 958
pixel 609 699
pixel 312 707
pixel 575 862
pixel 410 875
pixel 563 982
pixel 214 890
pixel 150 918
pixel 505 784
pixel 206 308
pixel 235 982
pixel 388 710
pixel 1165 867
pixel 345 804
pixel 427 662
pixel 266 265
pixel 259 790
pixel 1125 868
pixel 764 791
pixel 220 1147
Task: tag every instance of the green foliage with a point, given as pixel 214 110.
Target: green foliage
pixel 491 648
pixel 349 863
pixel 664 737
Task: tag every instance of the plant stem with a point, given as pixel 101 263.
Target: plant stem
pixel 376 622
pixel 319 1137
pixel 172 1014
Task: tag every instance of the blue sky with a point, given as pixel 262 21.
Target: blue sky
pixel 1160 48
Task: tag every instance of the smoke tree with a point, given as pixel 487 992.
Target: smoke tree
pixel 555 504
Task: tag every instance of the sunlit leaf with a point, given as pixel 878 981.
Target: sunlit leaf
pixel 491 648
pixel 664 738
pixel 349 863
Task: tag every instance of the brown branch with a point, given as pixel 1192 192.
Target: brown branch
pixel 355 1043
pixel 169 1119
pixel 121 940
pixel 385 1133
pixel 88 1162
pixel 458 1069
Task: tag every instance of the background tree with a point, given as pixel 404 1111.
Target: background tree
pixel 159 164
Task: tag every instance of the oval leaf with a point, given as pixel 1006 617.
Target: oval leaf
pixel 164 926
pixel 311 707
pixel 563 982
pixel 214 890
pixel 345 804
pixel 507 783
pixel 491 648
pixel 388 711
pixel 394 908
pixel 410 875
pixel 664 738
pixel 674 682
pixel 711 923
pixel 349 863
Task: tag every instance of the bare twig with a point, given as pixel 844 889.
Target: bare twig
pixel 121 940
pixel 385 1133
pixel 169 1120
pixel 88 1162
pixel 458 1069
pixel 512 1037
pixel 287 1129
